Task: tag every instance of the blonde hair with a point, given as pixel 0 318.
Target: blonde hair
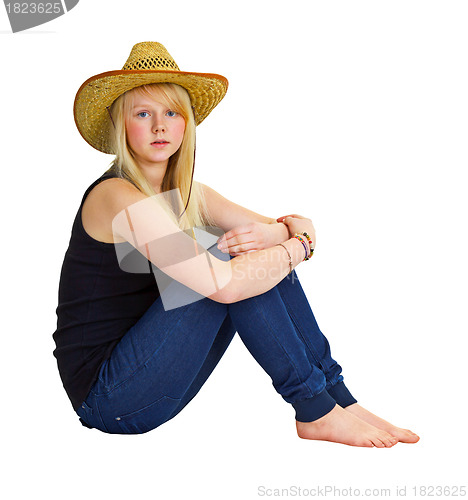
pixel 179 168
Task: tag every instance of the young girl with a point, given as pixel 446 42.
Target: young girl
pixel 145 311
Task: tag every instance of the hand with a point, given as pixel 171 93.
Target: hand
pixel 250 238
pixel 298 224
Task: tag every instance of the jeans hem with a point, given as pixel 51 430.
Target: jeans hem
pixel 340 393
pixel 314 408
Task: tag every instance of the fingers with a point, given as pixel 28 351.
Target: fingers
pixel 239 238
pixel 235 254
pixel 288 219
pixel 237 249
pixel 235 243
pixel 235 232
pixel 296 216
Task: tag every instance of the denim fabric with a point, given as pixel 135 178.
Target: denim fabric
pixel 164 359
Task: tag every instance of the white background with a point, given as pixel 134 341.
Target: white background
pixel 353 113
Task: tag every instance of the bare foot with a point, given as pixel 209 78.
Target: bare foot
pixel 340 426
pixel 403 435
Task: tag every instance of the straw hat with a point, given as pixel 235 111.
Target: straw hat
pixel 149 62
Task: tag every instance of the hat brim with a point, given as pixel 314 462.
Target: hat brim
pixel 98 92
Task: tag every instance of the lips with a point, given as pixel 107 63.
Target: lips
pixel 159 144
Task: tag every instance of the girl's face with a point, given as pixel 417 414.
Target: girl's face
pixel 154 131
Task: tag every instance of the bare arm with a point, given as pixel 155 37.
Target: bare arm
pixel 257 272
pixel 244 229
pixel 228 214
pixel 183 259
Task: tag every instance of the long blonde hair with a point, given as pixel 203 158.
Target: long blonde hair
pixel 179 168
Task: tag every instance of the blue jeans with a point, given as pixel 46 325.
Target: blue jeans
pixel 164 359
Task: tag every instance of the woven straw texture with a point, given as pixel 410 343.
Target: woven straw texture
pixel 149 62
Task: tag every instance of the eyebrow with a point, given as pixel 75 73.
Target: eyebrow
pixel 148 104
pixel 143 105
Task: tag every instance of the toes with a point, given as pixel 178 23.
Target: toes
pixel 407 436
pixel 411 438
pixel 393 441
pixel 385 441
pixel 378 443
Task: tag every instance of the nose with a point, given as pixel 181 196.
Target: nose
pixel 159 125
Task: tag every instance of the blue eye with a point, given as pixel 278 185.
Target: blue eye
pixel 142 113
pixel 171 113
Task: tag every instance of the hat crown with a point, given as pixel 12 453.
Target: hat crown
pixel 150 56
pixel 148 63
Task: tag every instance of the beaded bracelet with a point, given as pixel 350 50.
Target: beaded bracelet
pixel 304 244
pixel 310 250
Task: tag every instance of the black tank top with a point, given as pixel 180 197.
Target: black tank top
pixel 98 303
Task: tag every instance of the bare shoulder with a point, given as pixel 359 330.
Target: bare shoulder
pixel 103 203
